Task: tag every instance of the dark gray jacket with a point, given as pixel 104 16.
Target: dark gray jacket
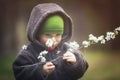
pixel 28 67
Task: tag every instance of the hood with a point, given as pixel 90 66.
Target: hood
pixel 38 16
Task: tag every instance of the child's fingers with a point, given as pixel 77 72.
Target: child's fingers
pixel 66 57
pixel 50 65
pixel 71 60
pixel 69 57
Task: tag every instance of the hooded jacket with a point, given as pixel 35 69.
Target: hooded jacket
pixel 38 16
pixel 27 66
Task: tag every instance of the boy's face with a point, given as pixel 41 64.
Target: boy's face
pixel 45 37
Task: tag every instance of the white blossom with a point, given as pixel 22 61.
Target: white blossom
pixel 93 38
pixel 50 42
pixel 75 45
pixel 24 47
pixel 107 38
pixel 54 41
pixel 42 55
pixel 110 35
pixel 103 41
pixel 86 44
pixel 117 29
pixel 39 57
pixel 43 59
pixel 100 37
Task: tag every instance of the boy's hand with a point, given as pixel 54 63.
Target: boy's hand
pixel 48 68
pixel 69 57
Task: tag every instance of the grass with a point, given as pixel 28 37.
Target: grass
pixel 6 72
pixel 102 66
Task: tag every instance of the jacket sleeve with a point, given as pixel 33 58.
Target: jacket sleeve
pixel 71 71
pixel 25 69
pixel 77 70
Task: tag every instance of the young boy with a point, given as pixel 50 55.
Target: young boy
pixel 49 21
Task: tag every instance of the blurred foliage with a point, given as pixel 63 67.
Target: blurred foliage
pixel 102 65
pixel 6 72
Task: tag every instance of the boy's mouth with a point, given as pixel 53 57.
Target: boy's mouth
pixel 51 49
pixel 51 44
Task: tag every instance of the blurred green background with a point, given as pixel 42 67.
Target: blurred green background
pixel 89 16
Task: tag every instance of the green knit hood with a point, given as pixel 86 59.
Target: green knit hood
pixel 53 25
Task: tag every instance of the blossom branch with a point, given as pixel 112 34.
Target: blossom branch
pixel 74 46
pixel 102 39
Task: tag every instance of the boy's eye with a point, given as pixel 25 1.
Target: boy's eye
pixel 47 34
pixel 58 34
